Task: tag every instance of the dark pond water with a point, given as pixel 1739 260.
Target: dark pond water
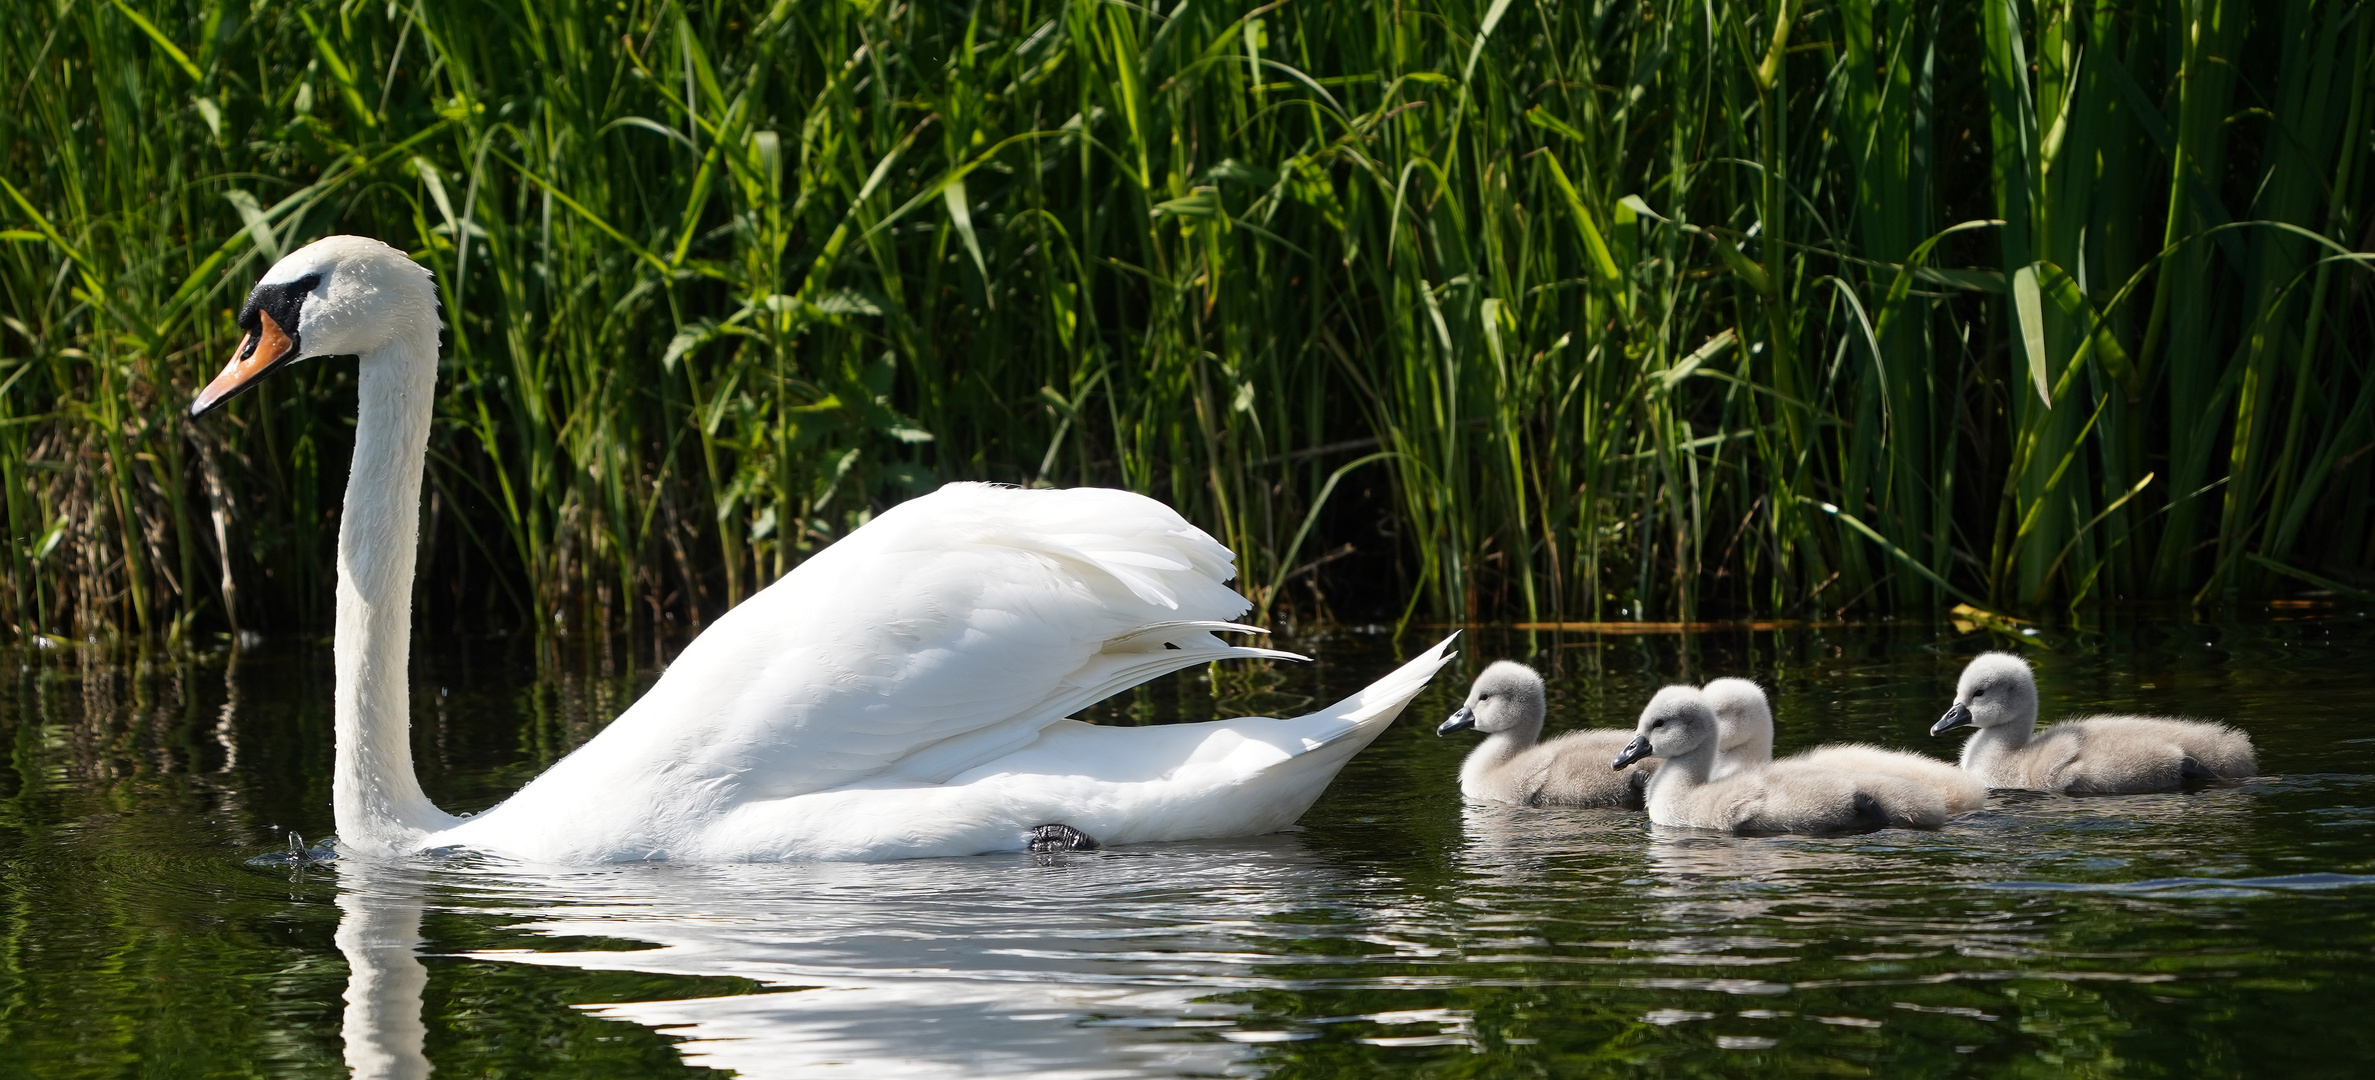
pixel 2223 931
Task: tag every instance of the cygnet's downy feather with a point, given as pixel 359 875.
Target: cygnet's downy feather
pixel 1507 703
pixel 2096 755
pixel 1782 797
pixel 1745 721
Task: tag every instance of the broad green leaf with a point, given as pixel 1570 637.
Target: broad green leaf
pixel 960 214
pixel 2030 308
pixel 180 58
pixel 259 226
pixel 1593 241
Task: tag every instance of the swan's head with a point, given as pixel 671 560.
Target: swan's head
pixel 1996 688
pixel 337 296
pixel 1508 696
pixel 1676 722
pixel 1743 719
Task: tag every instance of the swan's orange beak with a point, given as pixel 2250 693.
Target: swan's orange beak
pixel 259 353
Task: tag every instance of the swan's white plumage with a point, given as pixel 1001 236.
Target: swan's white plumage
pixel 902 693
pixel 905 693
pixel 1514 765
pixel 1776 797
pixel 2099 755
pixel 1121 785
pixel 1744 721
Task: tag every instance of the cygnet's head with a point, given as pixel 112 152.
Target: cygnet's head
pixel 1676 722
pixel 1743 719
pixel 337 296
pixel 1996 689
pixel 1508 696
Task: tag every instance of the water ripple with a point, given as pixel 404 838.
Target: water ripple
pixel 2199 886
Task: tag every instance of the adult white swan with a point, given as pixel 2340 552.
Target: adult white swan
pixel 901 694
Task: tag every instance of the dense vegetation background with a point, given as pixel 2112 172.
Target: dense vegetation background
pixel 1473 308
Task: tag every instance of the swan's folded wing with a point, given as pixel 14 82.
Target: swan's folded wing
pixel 1122 785
pixel 951 627
pixel 1123 663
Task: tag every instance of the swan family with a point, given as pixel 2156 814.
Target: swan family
pixel 1710 750
pixel 909 691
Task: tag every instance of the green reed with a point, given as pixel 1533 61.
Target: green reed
pixel 1475 309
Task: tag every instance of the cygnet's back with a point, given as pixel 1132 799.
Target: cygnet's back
pixel 1959 790
pixel 1508 703
pixel 1781 797
pixel 2100 755
pixel 1744 721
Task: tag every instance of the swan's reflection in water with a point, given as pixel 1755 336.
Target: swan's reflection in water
pixel 1144 961
pixel 1619 902
pixel 379 933
pixel 1052 966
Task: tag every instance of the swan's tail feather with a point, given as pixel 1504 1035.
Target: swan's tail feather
pixel 1367 713
pixel 1316 747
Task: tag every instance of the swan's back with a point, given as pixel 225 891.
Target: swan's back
pixel 1796 797
pixel 1572 770
pixel 2116 755
pixel 1960 791
pixel 1747 724
pixel 947 632
pixel 1122 785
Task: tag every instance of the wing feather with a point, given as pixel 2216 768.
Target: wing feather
pixel 950 629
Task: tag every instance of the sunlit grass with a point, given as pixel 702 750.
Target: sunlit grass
pixel 1546 310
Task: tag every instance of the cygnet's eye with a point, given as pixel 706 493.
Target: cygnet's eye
pixel 1657 723
pixel 1976 694
pixel 1484 697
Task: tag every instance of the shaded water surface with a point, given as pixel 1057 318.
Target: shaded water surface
pixel 2225 930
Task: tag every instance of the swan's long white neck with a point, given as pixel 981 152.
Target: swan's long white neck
pixel 1682 772
pixel 1754 747
pixel 1989 743
pixel 1498 747
pixel 380 807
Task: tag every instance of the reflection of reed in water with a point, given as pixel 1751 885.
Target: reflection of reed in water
pixel 379 933
pixel 108 718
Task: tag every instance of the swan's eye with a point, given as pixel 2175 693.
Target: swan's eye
pixel 1484 697
pixel 1977 694
pixel 1657 723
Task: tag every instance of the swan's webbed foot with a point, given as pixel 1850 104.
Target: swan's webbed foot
pixel 1046 838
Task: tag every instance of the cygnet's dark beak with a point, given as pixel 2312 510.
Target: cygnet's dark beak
pixel 1634 751
pixel 1462 719
pixel 1956 717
